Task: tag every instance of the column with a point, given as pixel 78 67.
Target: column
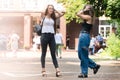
pixel 27 31
pixel 63 29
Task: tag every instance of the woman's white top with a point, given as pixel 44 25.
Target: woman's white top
pixel 48 25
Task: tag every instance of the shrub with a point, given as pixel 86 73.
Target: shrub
pixel 113 47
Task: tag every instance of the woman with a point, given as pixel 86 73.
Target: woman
pixel 47 37
pixel 14 41
pixel 87 14
pixel 59 42
pixel 36 42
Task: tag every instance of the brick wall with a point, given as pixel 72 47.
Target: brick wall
pixel 73 30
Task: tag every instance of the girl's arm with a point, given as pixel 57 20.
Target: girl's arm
pixel 59 14
pixel 83 16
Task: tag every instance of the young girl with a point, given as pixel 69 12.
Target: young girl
pixel 47 37
pixel 87 14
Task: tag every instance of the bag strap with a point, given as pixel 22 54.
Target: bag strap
pixel 42 22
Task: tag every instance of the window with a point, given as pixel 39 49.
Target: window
pixel 107 31
pixel 105 28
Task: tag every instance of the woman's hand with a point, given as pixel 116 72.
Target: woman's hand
pixel 80 12
pixel 82 15
pixel 58 13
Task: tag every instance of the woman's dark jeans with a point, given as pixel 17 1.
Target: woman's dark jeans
pixel 48 39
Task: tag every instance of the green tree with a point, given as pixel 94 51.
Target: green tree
pixel 99 6
pixel 72 7
pixel 113 41
pixel 113 11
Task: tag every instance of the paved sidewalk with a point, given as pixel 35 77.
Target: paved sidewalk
pixel 25 65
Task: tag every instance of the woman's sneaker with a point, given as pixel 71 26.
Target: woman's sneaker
pixel 82 76
pixel 95 70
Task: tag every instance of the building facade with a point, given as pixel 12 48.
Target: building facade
pixel 21 15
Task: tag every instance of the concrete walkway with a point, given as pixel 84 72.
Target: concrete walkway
pixel 25 65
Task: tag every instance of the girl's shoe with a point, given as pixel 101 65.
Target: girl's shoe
pixel 58 74
pixel 82 76
pixel 44 74
pixel 95 70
